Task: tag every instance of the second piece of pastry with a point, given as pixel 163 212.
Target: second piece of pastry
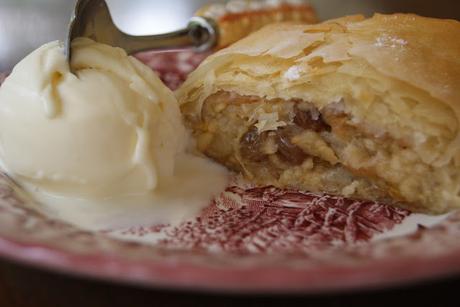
pixel 366 108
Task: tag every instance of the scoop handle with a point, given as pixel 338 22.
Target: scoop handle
pixel 201 34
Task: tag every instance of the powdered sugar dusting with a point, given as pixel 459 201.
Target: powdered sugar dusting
pixel 293 73
pixel 386 40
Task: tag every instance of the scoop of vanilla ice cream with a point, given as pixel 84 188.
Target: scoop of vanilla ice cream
pixel 112 128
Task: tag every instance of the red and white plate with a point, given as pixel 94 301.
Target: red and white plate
pixel 249 239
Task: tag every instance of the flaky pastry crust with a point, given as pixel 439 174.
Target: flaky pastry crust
pixel 237 19
pixel 386 87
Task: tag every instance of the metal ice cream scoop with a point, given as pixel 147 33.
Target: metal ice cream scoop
pixel 216 25
pixel 92 19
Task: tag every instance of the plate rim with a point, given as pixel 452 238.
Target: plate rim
pixel 378 274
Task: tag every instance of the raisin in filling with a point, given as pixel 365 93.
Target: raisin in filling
pixel 287 151
pixel 251 145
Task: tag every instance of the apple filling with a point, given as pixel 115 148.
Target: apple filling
pixel 291 143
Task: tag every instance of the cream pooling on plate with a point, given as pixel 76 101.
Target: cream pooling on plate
pixel 104 147
pixel 112 128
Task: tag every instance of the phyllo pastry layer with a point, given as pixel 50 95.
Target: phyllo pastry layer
pixel 366 108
